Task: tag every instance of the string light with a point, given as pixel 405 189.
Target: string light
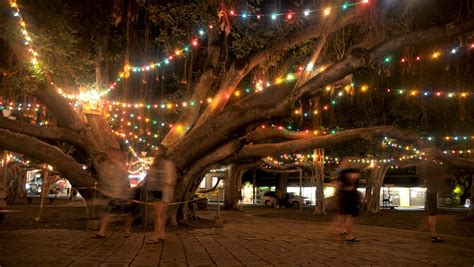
pixel 289 15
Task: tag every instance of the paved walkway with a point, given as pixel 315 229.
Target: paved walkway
pixel 244 240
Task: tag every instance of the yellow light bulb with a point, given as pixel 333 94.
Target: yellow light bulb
pixel 364 88
pixel 209 100
pixel 327 11
pixel 237 93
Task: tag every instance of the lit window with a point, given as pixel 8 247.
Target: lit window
pixel 214 181
pixel 203 183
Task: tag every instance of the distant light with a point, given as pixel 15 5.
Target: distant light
pixel 453 51
pixel 306 12
pixel 201 32
pixel 274 16
pixel 327 11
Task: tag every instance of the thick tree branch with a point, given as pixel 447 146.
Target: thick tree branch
pixel 370 133
pixel 58 106
pixel 288 166
pixel 238 71
pixel 262 134
pixel 44 152
pixel 53 133
pixel 203 164
pixel 275 101
pixel 201 90
pixel 451 160
pixel 355 62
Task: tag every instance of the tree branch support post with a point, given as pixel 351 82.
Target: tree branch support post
pixel 301 188
pixel 44 193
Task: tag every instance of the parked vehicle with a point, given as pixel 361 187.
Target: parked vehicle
pixel 270 199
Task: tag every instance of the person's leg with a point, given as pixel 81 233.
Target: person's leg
pixel 162 207
pixel 128 224
pixel 156 232
pixel 432 209
pixel 432 225
pixel 341 223
pixel 348 225
pixel 104 224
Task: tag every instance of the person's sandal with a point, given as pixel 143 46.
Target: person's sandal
pixel 355 239
pixel 436 239
pixel 153 241
pixel 96 235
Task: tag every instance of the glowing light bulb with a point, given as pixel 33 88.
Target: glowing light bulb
pixel 327 11
pixel 436 54
pixel 364 88
pixel 453 51
pixel 306 12
pixel 274 16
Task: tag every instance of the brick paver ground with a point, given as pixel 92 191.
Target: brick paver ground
pixel 244 240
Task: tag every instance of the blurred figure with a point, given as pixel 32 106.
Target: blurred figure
pixel 114 186
pixel 436 177
pixel 159 185
pixel 348 200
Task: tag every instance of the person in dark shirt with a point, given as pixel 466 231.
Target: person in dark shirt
pixel 349 200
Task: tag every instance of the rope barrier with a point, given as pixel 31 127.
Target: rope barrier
pixel 200 196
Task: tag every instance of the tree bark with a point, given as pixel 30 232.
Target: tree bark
pixel 318 162
pixel 37 149
pixel 201 90
pixel 282 184
pixel 262 150
pixel 372 192
pixel 231 187
pixel 53 133
pixel 239 70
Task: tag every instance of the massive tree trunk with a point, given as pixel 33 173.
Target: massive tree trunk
pixel 372 192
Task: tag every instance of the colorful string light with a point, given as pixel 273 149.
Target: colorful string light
pixel 291 15
pixel 25 34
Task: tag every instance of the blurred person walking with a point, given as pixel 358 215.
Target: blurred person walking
pixel 435 174
pixel 114 186
pixel 159 185
pixel 349 200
